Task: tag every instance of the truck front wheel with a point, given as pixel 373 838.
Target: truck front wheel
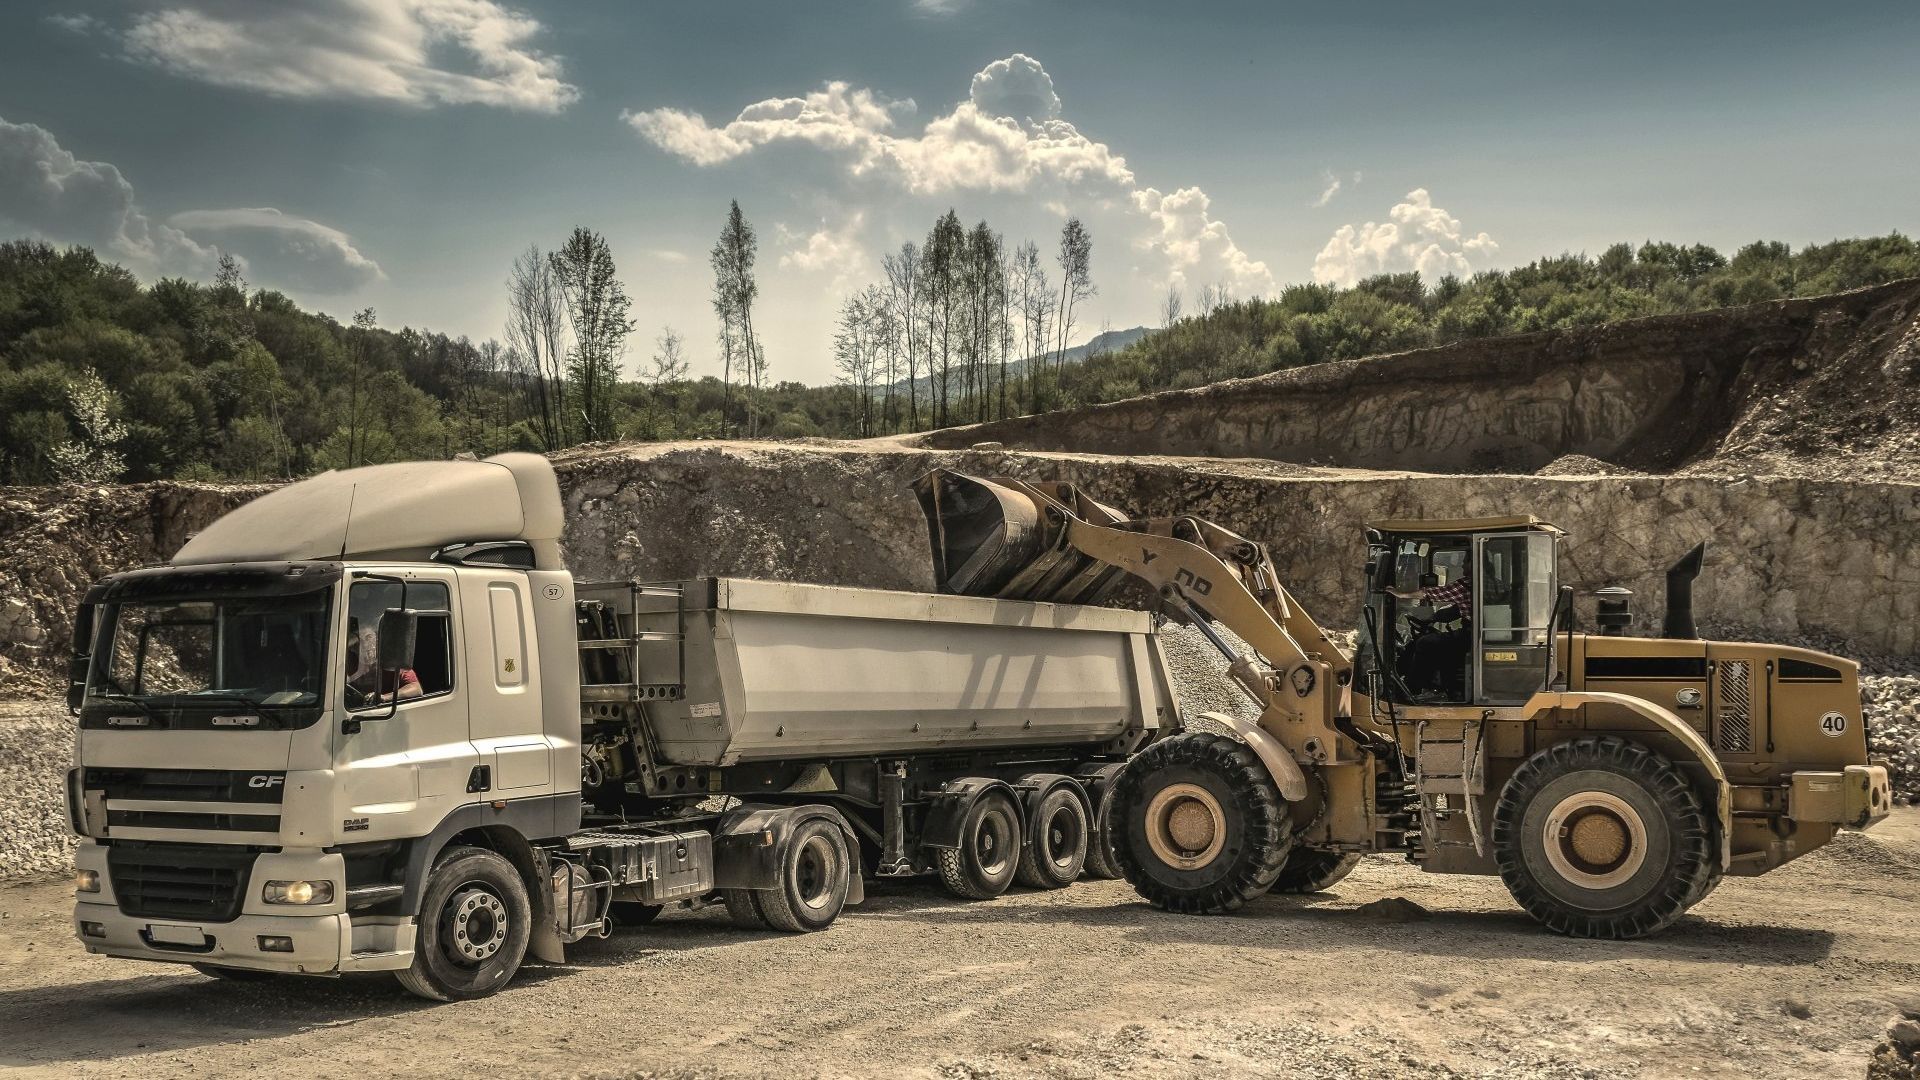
pixel 1201 828
pixel 1600 837
pixel 475 921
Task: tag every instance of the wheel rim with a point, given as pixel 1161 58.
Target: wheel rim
pixel 1062 837
pixel 1186 827
pixel 993 843
pixel 1595 839
pixel 475 925
pixel 814 871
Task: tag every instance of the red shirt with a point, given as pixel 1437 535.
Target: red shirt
pixel 1458 593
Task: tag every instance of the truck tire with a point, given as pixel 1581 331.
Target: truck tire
pixel 984 864
pixel 1100 858
pixel 1602 838
pixel 475 921
pixel 634 913
pixel 742 909
pixel 814 878
pixel 1056 841
pixel 1201 828
pixel 1309 871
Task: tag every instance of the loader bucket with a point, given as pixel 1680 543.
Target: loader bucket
pixel 1008 539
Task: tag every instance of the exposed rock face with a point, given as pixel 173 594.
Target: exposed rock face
pixel 1786 556
pixel 1770 387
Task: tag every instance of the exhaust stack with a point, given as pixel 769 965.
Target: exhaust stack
pixel 1679 617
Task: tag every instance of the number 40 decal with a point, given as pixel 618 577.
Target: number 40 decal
pixel 1833 724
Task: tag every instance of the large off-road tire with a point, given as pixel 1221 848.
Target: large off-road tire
pixel 1056 841
pixel 1309 871
pixel 475 922
pixel 1708 879
pixel 984 864
pixel 814 878
pixel 1101 862
pixel 1200 827
pixel 1600 837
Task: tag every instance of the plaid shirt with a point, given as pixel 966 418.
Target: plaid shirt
pixel 1459 593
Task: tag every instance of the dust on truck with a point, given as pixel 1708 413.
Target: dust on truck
pixel 369 722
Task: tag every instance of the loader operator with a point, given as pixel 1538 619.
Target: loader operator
pixel 1438 664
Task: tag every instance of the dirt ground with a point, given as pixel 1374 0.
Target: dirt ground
pixel 1793 974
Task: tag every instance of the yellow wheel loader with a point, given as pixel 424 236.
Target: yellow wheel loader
pixel 1610 781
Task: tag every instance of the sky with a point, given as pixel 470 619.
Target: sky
pixel 398 155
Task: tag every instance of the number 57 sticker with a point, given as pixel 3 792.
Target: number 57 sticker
pixel 1833 724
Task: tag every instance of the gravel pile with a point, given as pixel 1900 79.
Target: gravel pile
pixel 36 749
pixel 1892 705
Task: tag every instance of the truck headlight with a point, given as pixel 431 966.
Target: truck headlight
pixel 298 892
pixel 86 881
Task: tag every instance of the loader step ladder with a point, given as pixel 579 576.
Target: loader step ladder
pixel 612 669
pixel 1451 765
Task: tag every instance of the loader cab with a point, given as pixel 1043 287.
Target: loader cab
pixel 1460 612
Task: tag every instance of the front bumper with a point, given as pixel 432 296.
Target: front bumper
pixel 1855 798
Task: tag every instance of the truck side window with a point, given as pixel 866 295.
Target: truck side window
pixel 432 670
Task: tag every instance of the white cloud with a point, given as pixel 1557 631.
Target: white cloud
pixel 667 255
pixel 74 24
pixel 412 52
pixel 47 191
pixel 1196 245
pixel 1416 236
pixel 1007 136
pixel 837 250
pixel 939 7
pixel 1333 184
pixel 282 249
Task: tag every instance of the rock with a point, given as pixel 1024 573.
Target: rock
pixel 989 445
pixel 1396 909
pixel 1906 1035
pixel 1797 1009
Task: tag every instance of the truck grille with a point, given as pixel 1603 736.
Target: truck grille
pixel 180 881
pixel 210 799
pixel 1733 706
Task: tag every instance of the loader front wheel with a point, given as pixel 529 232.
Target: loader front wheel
pixel 1200 827
pixel 1603 838
pixel 1309 871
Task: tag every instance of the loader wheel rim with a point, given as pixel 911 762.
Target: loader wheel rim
pixel 815 870
pixel 1594 839
pixel 476 925
pixel 1186 826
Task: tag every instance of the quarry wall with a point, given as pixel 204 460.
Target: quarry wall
pixel 1651 394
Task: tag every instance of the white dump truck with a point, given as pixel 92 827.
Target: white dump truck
pixel 369 722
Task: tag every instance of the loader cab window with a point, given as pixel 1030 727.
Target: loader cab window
pixel 1516 596
pixel 431 674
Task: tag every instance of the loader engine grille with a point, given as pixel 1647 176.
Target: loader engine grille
pixel 180 881
pixel 1734 707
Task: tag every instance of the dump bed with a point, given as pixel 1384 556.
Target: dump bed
pixel 732 670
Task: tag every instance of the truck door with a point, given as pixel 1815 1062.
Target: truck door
pixel 411 757
pixel 1513 605
pixel 508 729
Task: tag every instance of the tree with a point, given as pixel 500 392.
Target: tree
pixel 1170 305
pixel 597 306
pixel 536 333
pixel 94 457
pixel 940 266
pixel 1076 279
pixel 902 269
pixel 666 370
pixel 858 343
pixel 363 324
pixel 734 293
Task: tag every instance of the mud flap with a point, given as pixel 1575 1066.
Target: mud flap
pixel 750 845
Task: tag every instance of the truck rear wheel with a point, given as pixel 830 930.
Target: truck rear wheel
pixel 1100 858
pixel 1201 828
pixel 1309 871
pixel 475 921
pixel 1599 837
pixel 814 878
pixel 1056 847
pixel 983 865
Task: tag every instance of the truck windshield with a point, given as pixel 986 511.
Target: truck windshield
pixel 260 651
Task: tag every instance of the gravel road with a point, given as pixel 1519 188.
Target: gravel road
pixel 1794 974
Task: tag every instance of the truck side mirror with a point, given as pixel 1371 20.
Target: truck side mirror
pixel 398 629
pixel 81 660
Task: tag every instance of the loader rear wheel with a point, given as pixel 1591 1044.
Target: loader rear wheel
pixel 1310 871
pixel 983 865
pixel 1599 837
pixel 1056 847
pixel 1200 827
